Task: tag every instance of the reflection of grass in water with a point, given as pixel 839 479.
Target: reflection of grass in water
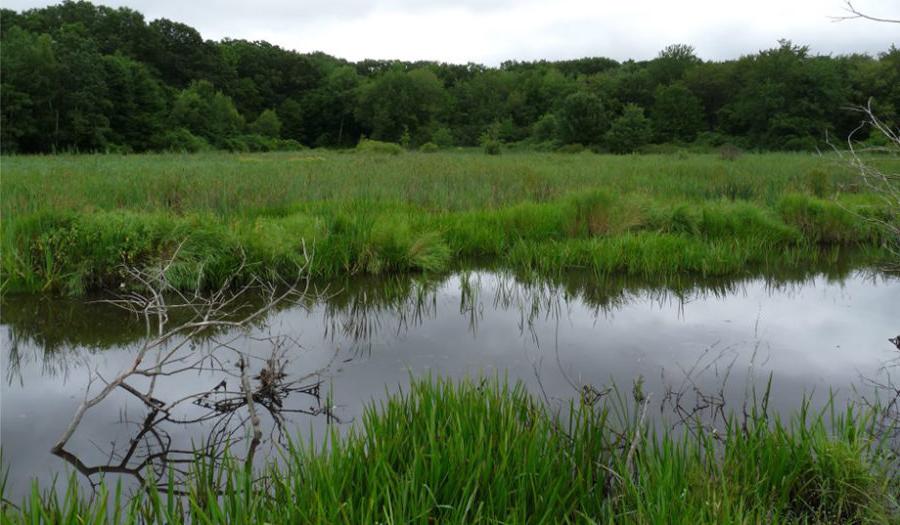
pixel 360 307
pixel 69 222
pixel 465 452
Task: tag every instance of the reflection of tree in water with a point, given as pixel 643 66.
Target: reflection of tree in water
pixel 64 333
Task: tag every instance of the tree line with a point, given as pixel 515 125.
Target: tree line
pixel 82 77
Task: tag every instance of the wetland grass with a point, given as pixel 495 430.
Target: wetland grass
pixel 488 452
pixel 70 222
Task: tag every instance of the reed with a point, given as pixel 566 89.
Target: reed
pixel 70 222
pixel 487 451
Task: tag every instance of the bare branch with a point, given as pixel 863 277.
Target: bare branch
pixel 191 345
pixel 855 14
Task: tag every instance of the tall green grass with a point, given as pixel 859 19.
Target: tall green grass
pixel 69 223
pixel 488 452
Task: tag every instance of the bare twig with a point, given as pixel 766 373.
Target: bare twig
pixel 855 14
pixel 191 345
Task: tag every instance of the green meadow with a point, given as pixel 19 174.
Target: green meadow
pixel 70 223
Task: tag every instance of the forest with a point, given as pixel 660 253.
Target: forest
pixel 78 77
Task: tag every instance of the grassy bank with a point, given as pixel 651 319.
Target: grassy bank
pixel 487 452
pixel 70 222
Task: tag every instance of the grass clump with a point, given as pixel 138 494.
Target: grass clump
pixel 489 452
pixel 429 147
pixel 823 221
pixel 376 146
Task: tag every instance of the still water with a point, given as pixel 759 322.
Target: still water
pixel 813 335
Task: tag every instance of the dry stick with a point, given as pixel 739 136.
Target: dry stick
pixel 254 419
pixel 856 14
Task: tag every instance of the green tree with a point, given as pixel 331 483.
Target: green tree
pixel 329 109
pixel 206 113
pixel 677 113
pixel 546 129
pixel 477 102
pixel 138 103
pixel 630 131
pixel 582 119
pixel 290 114
pixel 672 63
pixel 181 56
pixel 28 103
pixel 267 124
pixel 786 100
pixel 399 100
pixel 442 137
pixel 714 84
pixel 82 97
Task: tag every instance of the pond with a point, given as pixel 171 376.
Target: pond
pixel 337 351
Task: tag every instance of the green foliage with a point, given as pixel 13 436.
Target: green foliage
pixel 729 152
pixel 405 139
pixel 398 101
pixel 376 146
pixel 490 139
pixel 677 113
pixel 381 212
pixel 181 140
pixel 207 113
pixel 267 124
pixel 89 78
pixel 429 147
pixel 546 129
pixel 290 114
pixel 630 131
pixel 427 453
pixel 29 74
pixel 442 137
pixel 571 148
pixel 826 221
pixel 582 119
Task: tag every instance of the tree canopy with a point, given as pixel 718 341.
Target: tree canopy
pixel 84 77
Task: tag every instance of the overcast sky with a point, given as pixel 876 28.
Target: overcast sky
pixel 491 31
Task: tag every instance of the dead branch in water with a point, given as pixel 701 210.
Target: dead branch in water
pixel 194 345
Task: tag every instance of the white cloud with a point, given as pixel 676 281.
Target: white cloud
pixel 496 30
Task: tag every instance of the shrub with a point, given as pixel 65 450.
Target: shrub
pixel 711 138
pixel 429 147
pixel 546 129
pixel 443 137
pixel 256 143
pixel 405 138
pixel 666 148
pixel 289 145
pixel 267 124
pixel 491 147
pixel 729 152
pixel 490 139
pixel 630 131
pixel 182 140
pixel 582 118
pixel 376 146
pixel 571 148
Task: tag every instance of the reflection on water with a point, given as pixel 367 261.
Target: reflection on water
pixel 315 364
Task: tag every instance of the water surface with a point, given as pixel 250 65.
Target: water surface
pixel 813 334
